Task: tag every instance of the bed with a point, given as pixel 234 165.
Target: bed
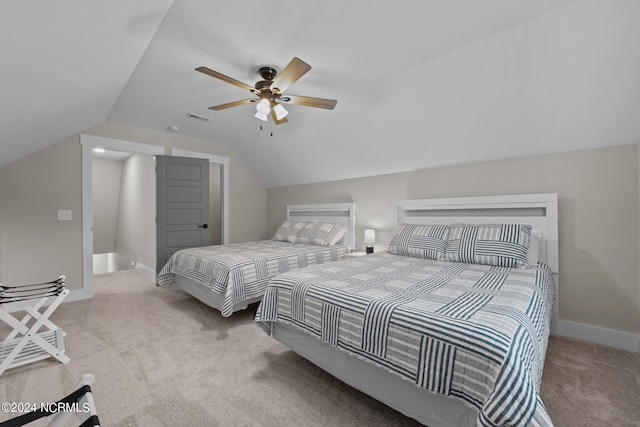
pixel 457 340
pixel 231 277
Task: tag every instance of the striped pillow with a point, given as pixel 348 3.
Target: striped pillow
pixel 420 241
pixel 288 231
pixel 502 245
pixel 317 233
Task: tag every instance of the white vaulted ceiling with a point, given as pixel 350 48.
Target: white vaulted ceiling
pixel 64 63
pixel 419 83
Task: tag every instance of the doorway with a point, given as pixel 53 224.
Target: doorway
pixel 89 142
pixel 123 236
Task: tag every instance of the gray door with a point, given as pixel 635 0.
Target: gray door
pixel 183 205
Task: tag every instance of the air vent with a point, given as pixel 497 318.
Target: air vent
pixel 199 117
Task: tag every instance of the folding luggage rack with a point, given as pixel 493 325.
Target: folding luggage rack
pixel 26 343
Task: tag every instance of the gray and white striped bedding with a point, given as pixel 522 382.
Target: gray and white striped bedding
pixel 476 333
pixel 241 271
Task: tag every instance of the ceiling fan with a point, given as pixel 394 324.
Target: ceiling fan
pixel 270 91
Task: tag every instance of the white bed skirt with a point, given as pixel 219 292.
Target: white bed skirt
pixel 428 408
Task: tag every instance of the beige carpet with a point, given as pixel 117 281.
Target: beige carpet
pixel 162 358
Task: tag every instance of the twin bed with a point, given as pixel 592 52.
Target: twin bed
pixel 450 326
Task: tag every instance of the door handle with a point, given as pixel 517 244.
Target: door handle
pixel 203 226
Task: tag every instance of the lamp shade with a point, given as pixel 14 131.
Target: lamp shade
pixel 263 107
pixel 280 111
pixel 369 237
pixel 261 116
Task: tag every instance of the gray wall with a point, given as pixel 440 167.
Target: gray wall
pixel 35 246
pixel 247 195
pixel 598 201
pixel 599 221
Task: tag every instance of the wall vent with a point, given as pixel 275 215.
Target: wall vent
pixel 199 117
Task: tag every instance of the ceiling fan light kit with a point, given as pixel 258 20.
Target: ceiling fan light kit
pixel 261 116
pixel 279 111
pixel 271 89
pixel 262 109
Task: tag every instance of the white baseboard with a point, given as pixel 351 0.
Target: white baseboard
pixel 595 334
pixel 147 271
pixel 77 295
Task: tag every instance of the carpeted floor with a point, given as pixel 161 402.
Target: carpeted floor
pixel 162 358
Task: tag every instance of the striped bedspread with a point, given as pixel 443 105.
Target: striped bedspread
pixel 473 332
pixel 241 271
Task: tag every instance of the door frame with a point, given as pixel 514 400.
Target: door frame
pixel 88 143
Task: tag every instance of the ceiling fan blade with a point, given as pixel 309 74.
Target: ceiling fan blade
pixel 224 78
pixel 291 73
pixel 275 119
pixel 309 101
pixel 232 104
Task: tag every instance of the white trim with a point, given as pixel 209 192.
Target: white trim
pixel 224 177
pixel 89 142
pixel 147 271
pixel 212 157
pixel 93 141
pixel 595 334
pixel 79 294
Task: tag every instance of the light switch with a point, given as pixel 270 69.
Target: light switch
pixel 64 215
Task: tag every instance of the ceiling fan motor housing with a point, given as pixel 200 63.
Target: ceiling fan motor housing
pixel 268 73
pixel 263 84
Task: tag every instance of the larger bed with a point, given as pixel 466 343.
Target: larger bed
pixel 230 277
pixel 446 341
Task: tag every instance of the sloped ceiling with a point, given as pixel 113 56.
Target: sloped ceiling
pixel 64 63
pixel 419 83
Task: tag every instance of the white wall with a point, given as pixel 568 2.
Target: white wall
pixel 106 196
pixel 135 232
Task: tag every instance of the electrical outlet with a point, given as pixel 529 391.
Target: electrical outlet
pixel 64 215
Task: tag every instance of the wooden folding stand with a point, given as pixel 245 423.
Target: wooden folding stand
pixel 25 343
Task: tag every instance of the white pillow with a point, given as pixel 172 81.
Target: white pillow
pixel 533 252
pixel 340 232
